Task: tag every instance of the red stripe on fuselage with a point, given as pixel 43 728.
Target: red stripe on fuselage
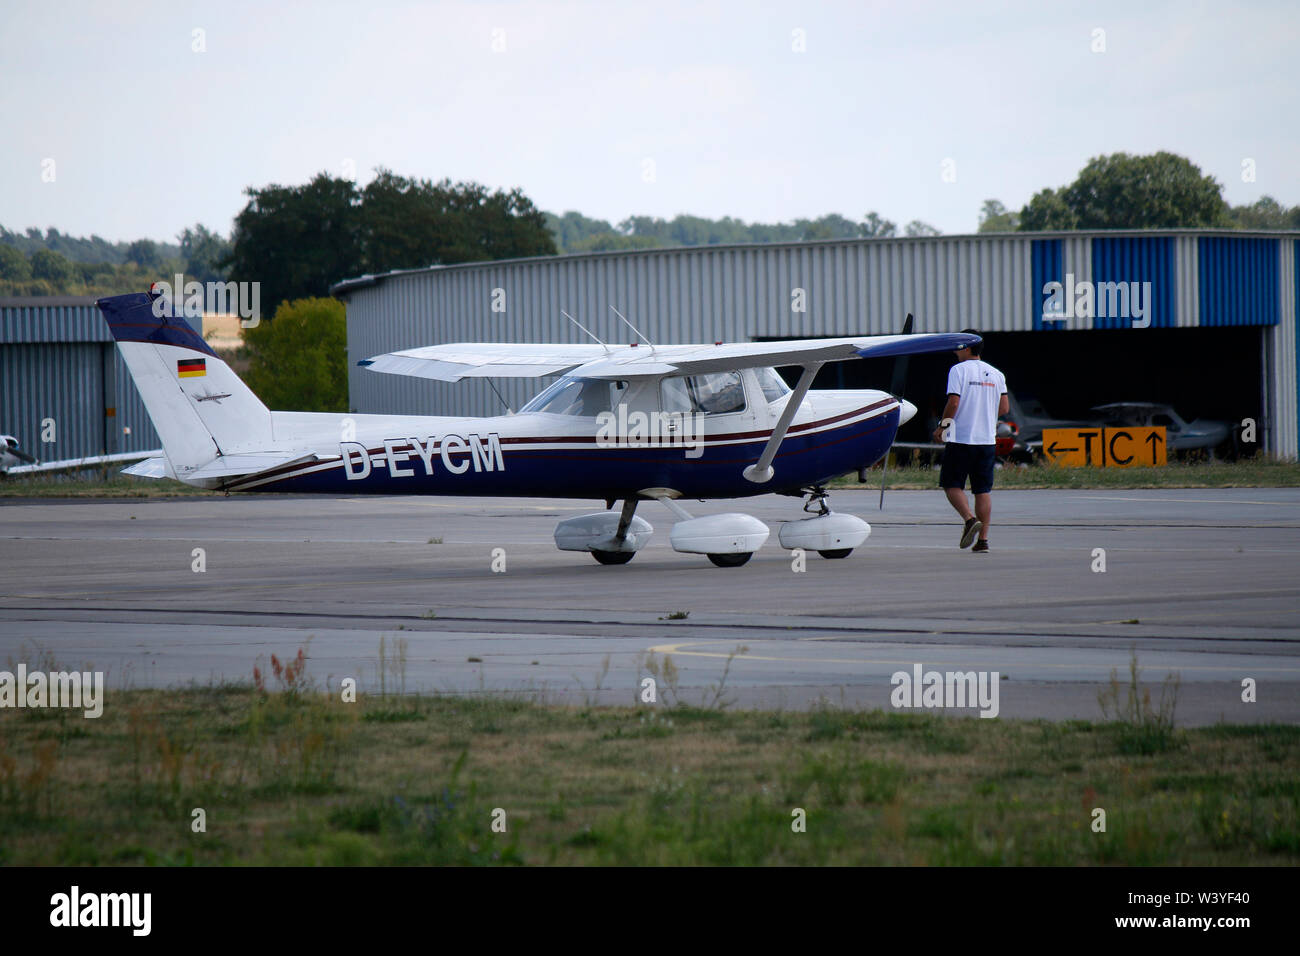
pixel 562 454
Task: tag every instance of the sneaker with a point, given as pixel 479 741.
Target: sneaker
pixel 968 533
pixel 981 547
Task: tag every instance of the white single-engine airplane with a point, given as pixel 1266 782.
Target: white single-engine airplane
pixel 622 423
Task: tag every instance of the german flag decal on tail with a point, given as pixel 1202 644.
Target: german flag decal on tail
pixel 191 368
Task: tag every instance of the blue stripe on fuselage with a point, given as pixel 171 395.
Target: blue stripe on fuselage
pixel 614 472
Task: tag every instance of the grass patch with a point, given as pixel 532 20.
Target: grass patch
pixel 1258 472
pixel 297 777
pixel 95 484
pixel 1140 725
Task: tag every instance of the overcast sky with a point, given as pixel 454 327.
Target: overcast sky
pixel 621 108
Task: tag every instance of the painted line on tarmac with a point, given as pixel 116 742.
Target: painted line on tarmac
pixel 676 649
pixel 1197 501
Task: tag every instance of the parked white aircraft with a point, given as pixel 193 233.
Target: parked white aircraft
pixel 622 423
pixel 16 462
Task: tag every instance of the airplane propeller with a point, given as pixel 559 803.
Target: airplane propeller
pixel 897 383
pixel 10 444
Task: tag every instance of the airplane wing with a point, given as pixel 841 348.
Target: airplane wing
pixel 450 363
pixel 76 464
pixel 723 357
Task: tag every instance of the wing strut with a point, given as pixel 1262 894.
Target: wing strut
pixel 761 470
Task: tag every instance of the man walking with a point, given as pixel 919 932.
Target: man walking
pixel 977 395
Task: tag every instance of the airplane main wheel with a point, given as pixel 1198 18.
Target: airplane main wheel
pixel 836 553
pixel 731 560
pixel 613 557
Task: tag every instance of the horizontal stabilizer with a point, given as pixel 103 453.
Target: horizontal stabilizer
pixel 151 468
pixel 232 466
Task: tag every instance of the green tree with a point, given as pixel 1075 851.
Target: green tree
pixel 573 227
pixel 874 227
pixel 53 267
pixel 611 242
pixel 407 223
pixel 297 240
pixel 1266 213
pixel 995 217
pixel 144 253
pixel 14 266
pixel 203 251
pixel 650 226
pixel 917 228
pixel 1048 210
pixel 830 226
pixel 79 249
pixel 1121 191
pixel 298 360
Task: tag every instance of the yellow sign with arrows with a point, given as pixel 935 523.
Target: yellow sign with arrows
pixel 1108 447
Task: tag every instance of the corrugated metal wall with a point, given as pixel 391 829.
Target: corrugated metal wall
pixel 56 353
pixel 1238 281
pixel 741 293
pixel 51 319
pixel 1136 259
pixel 721 293
pixel 1187 309
pixel 58 387
pixel 1281 354
pixel 1287 335
pixel 1048 266
pixel 58 361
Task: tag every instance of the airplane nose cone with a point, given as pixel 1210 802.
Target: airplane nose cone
pixel 906 413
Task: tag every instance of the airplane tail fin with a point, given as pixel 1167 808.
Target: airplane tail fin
pixel 199 406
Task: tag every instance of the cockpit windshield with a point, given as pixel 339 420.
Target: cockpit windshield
pixel 583 397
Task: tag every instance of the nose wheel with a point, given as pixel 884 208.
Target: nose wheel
pixel 613 557
pixel 831 534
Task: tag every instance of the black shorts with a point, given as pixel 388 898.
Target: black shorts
pixel 963 461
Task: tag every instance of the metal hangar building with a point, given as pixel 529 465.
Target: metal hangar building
pixel 1204 320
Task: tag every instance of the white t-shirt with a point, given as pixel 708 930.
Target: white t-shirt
pixel 979 388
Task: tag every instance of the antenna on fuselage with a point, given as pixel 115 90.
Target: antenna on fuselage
pixel 584 328
pixel 634 329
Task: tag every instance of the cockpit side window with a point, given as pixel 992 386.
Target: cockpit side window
pixel 675 396
pixel 582 397
pixel 718 393
pixel 715 393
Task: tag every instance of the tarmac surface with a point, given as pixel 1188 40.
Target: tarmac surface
pixel 1202 584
